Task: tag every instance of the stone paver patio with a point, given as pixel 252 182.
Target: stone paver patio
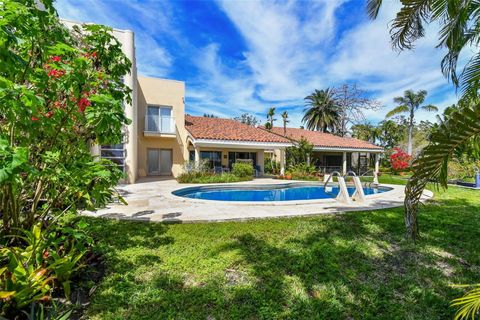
pixel 150 200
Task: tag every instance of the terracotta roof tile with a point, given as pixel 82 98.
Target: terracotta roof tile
pixel 228 129
pixel 320 139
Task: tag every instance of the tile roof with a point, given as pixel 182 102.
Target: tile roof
pixel 228 129
pixel 320 139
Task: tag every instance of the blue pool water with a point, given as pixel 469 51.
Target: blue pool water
pixel 267 193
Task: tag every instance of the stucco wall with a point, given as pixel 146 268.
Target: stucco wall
pixel 161 92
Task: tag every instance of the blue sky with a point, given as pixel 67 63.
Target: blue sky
pixel 247 56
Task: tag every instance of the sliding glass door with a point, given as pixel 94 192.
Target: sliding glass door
pixel 159 162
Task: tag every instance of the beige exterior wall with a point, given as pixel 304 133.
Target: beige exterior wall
pixel 168 93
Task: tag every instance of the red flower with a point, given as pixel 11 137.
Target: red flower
pixel 83 103
pixel 54 73
pixel 400 160
pixel 34 119
pixel 94 54
pixel 56 59
pixel 49 114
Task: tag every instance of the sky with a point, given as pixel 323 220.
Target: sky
pixel 248 56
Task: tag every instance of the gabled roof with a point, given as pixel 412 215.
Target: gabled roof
pixel 326 140
pixel 228 129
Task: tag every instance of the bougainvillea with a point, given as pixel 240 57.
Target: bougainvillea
pixel 400 160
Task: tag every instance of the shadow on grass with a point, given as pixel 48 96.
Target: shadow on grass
pixel 351 266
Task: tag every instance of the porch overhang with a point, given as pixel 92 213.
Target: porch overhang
pixel 234 144
pixel 342 149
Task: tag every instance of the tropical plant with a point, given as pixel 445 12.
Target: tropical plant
pixel 365 131
pixel 248 119
pixel 411 103
pixel 37 261
pixel 321 112
pixel 270 116
pixel 300 153
pixel 271 166
pixel 459 31
pixel 285 121
pixel 390 133
pixel 61 91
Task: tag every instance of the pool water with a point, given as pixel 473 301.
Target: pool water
pixel 268 193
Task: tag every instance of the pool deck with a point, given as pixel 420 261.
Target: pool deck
pixel 150 200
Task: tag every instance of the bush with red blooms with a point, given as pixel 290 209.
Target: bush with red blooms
pixel 400 160
pixel 61 91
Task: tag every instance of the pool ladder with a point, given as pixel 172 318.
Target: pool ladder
pixel 358 195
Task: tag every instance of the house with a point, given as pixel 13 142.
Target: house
pixel 334 153
pixel 161 137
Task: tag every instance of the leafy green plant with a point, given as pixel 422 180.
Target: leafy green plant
pixel 61 91
pixel 38 261
pixel 301 153
pixel 242 170
pixel 468 305
pixel 271 166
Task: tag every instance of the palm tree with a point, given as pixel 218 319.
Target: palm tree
pixel 285 121
pixel 458 31
pixel 270 115
pixel 322 112
pixel 410 102
pixel 365 131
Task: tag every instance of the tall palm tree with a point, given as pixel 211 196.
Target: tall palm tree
pixel 270 115
pixel 459 31
pixel 411 103
pixel 321 112
pixel 285 121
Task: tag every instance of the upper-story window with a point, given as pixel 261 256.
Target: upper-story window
pixel 159 119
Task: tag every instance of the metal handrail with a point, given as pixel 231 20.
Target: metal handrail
pixel 331 176
pixel 365 173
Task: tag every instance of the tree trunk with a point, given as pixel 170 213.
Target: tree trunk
pixel 410 135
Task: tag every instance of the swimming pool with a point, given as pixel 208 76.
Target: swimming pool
pixel 258 193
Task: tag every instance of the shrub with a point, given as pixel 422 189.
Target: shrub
pixel 271 166
pixel 400 160
pixel 242 170
pixel 37 262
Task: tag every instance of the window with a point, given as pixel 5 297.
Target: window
pixel 214 157
pixel 114 153
pixel 159 119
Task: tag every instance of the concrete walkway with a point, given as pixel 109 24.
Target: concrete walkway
pixel 150 200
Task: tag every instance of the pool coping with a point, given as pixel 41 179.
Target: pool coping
pixel 152 201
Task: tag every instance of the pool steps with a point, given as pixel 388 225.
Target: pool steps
pixel 358 195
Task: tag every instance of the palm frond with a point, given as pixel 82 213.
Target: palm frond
pixel 407 27
pixel 429 107
pixel 460 126
pixel 373 7
pixel 468 305
pixel 397 110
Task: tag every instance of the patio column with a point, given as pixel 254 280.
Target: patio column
pixel 344 169
pixel 377 168
pixel 282 162
pixel 197 156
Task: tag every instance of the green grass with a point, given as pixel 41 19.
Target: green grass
pixel 348 266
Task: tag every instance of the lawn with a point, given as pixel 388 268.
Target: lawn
pixel 348 266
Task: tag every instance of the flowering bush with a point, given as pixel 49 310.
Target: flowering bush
pixel 400 160
pixel 61 91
